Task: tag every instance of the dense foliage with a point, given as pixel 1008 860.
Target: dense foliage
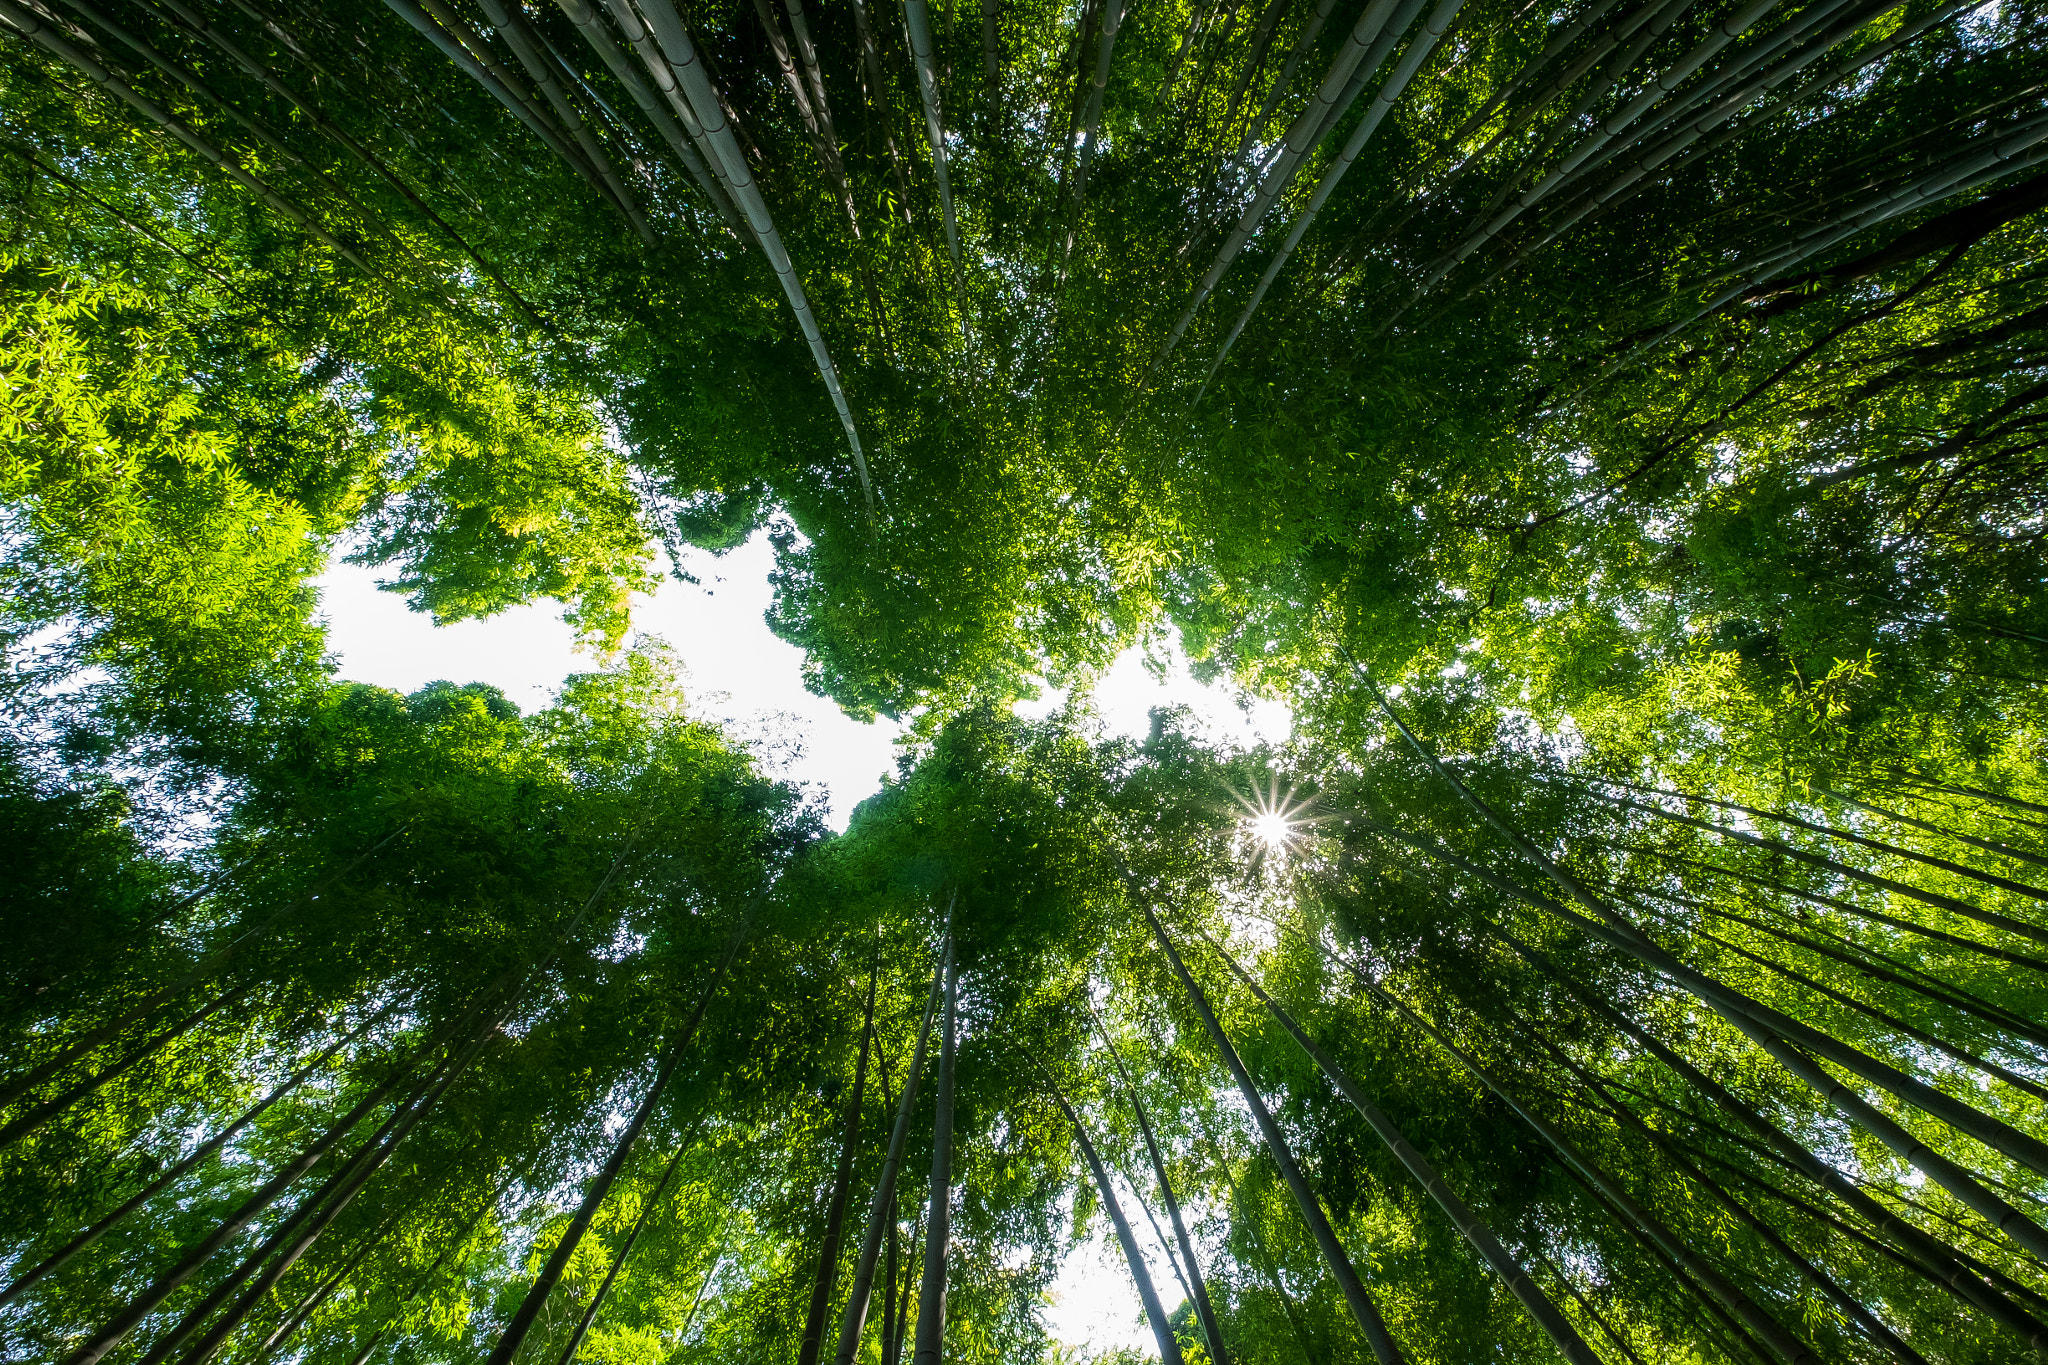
pixel 1616 429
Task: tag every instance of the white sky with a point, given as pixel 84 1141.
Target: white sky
pixel 738 672
pixel 1094 1301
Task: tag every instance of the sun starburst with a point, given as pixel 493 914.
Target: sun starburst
pixel 1272 818
pixel 1272 829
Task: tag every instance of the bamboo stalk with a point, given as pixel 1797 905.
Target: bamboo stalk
pixel 1148 1295
pixel 1364 1312
pixel 57 1259
pixel 1198 1289
pixel 1718 1288
pixel 581 14
pixel 917 23
pixel 507 19
pixel 45 36
pixel 931 1298
pixel 1390 92
pixel 521 1323
pixel 882 1208
pixel 1302 137
pixel 1475 1231
pixel 673 40
pixel 1946 1271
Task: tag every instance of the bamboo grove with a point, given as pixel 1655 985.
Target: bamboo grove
pixel 1614 428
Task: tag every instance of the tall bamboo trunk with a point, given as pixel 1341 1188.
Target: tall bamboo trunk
pixel 1363 1311
pixel 466 59
pixel 107 1030
pixel 57 1259
pixel 1783 1038
pixel 1155 1312
pixel 1847 1304
pixel 842 1186
pixel 584 17
pixel 1936 1262
pixel 992 67
pixel 263 75
pixel 1890 1021
pixel 611 1275
pixel 529 1308
pixel 1474 1229
pixel 426 1277
pixel 882 1208
pixel 893 1355
pixel 287 1247
pixel 916 21
pixel 1302 137
pixel 1091 126
pixel 1850 908
pixel 1838 868
pixel 511 23
pixel 1304 41
pixel 298 1232
pixel 151 1298
pixel 1389 94
pixel 931 1297
pixel 1716 1288
pixel 325 1290
pixel 1864 961
pixel 1198 1289
pixel 1992 846
pixel 26 1123
pixel 701 95
pixel 1774 1031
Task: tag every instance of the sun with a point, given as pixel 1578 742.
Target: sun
pixel 1272 829
pixel 1270 815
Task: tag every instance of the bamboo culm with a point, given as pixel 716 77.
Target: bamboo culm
pixel 1469 1224
pixel 23 1124
pixel 511 23
pixel 308 1210
pixel 1198 1289
pixel 185 1165
pixel 1839 868
pixel 931 1296
pixel 199 971
pixel 147 1302
pixel 25 22
pixel 1718 1289
pixel 1845 836
pixel 673 41
pixel 1754 1018
pixel 1390 93
pixel 813 1341
pixel 1301 139
pixel 1091 125
pixel 1155 1312
pixel 584 17
pixel 604 1287
pixel 917 23
pixel 262 74
pixel 1303 43
pixel 882 1209
pixel 1847 1304
pixel 514 1335
pixel 1364 1312
pixel 1936 1261
pixel 330 1203
pixel 1777 1035
pixel 325 1290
